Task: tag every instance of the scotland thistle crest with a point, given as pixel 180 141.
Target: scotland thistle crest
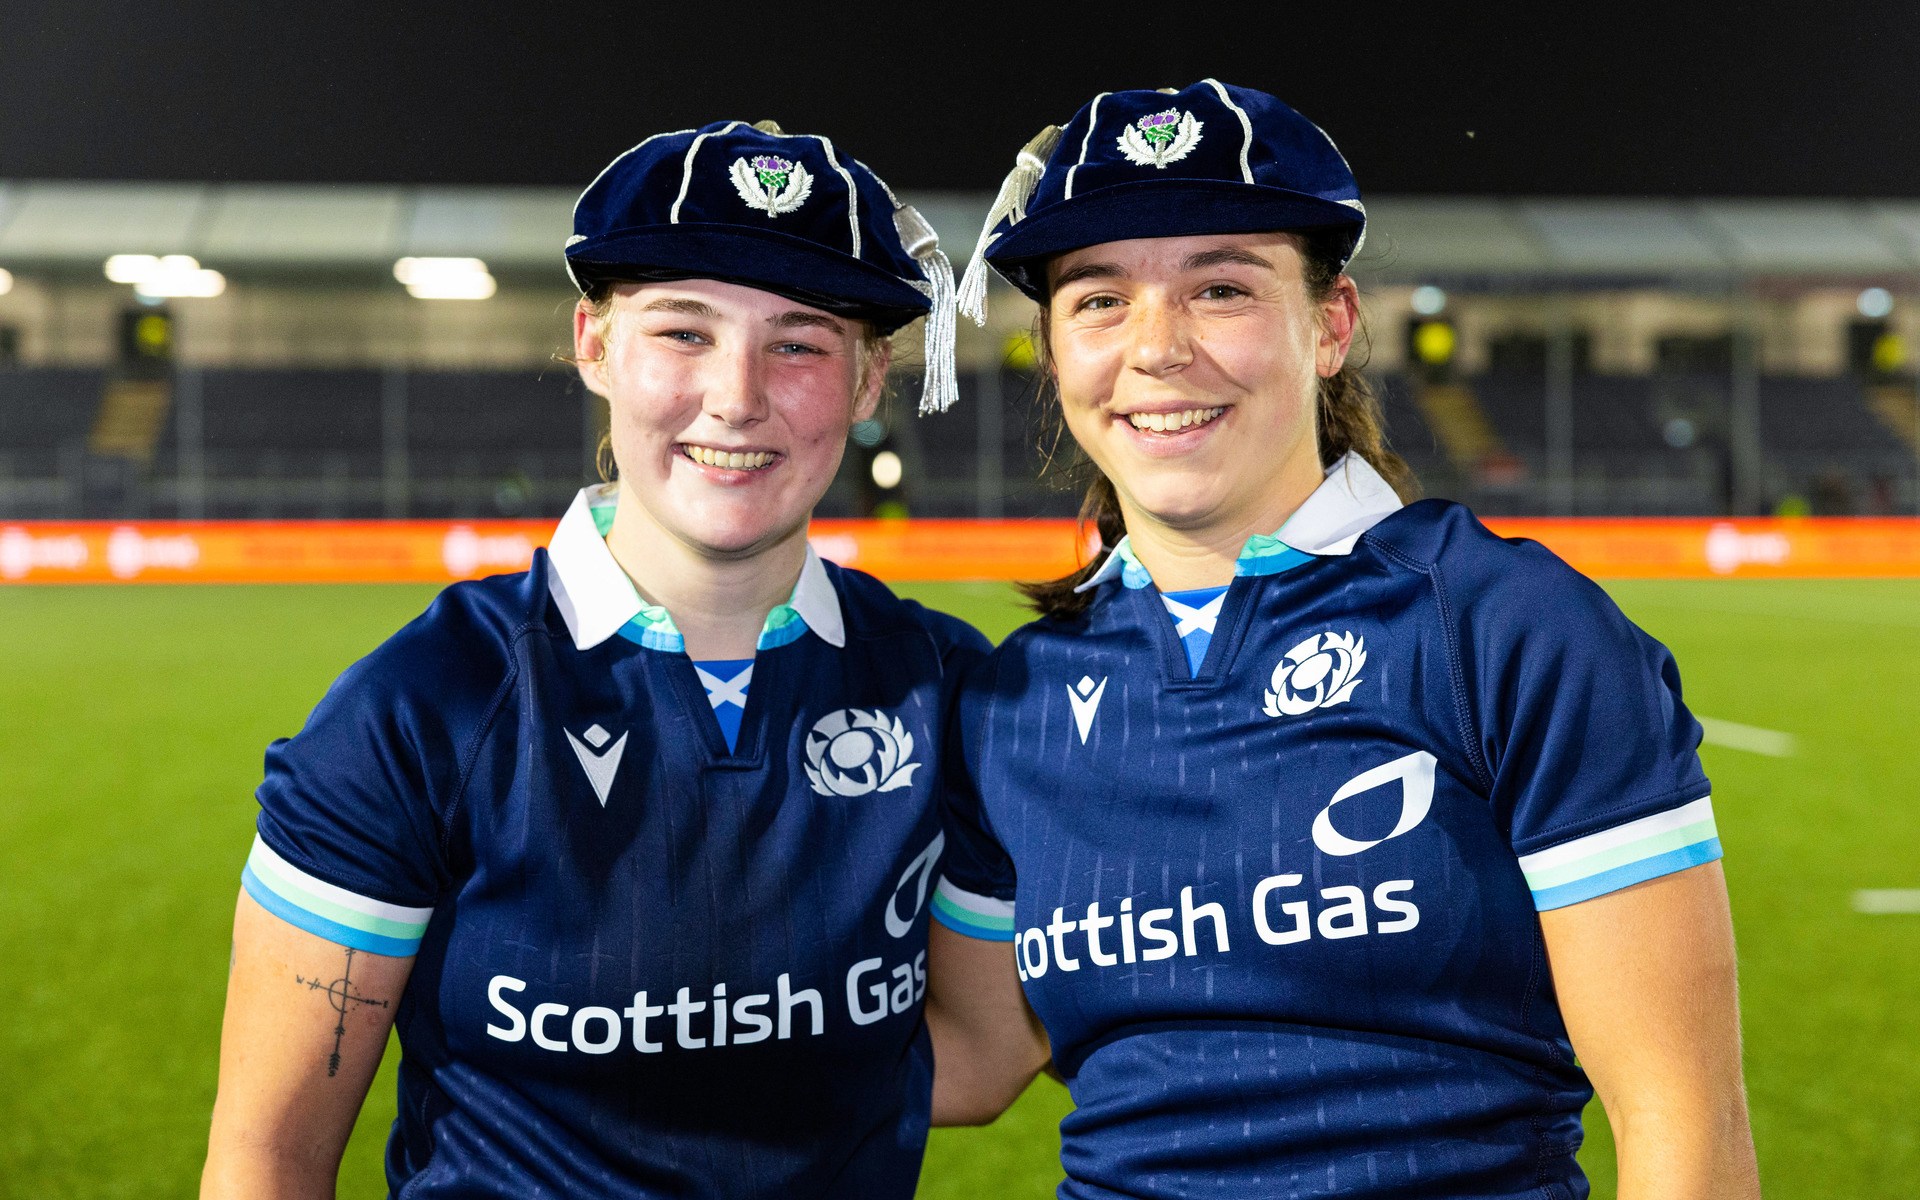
pixel 1160 138
pixel 771 183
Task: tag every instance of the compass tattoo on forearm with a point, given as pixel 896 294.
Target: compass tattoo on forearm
pixel 341 996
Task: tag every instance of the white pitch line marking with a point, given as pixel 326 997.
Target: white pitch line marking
pixel 1882 901
pixel 1752 738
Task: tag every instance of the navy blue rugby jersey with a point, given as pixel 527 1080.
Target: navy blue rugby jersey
pixel 647 965
pixel 1278 914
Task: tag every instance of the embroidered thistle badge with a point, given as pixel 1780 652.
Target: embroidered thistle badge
pixel 771 184
pixel 852 753
pixel 1160 138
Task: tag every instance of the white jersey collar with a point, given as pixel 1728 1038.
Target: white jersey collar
pixel 1350 500
pixel 597 600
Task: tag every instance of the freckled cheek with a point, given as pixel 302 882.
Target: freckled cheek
pixel 1085 376
pixel 816 422
pixel 1263 359
pixel 653 399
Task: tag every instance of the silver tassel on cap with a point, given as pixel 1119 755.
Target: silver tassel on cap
pixel 1011 203
pixel 940 384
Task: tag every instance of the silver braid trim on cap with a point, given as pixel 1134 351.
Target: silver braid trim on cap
pixel 1246 129
pixel 686 170
pixel 853 193
pixel 1093 122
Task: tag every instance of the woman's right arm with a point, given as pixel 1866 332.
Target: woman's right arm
pixel 987 1044
pixel 305 1028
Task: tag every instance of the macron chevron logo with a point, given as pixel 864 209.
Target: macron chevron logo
pixel 1085 696
pixel 600 767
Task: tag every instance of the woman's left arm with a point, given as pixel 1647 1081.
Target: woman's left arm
pixel 1645 977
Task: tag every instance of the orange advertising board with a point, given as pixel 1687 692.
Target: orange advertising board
pixel 1757 548
pixel 442 551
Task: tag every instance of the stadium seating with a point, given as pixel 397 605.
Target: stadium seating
pixel 310 442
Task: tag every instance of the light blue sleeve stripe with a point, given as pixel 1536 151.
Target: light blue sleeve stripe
pixel 320 926
pixel 1627 875
pixel 955 918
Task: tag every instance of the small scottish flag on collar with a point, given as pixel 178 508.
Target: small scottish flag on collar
pixel 726 682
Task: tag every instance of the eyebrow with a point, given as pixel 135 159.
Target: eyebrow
pixel 1222 256
pixel 681 305
pixel 795 319
pixel 1225 256
pixel 1089 270
pixel 807 320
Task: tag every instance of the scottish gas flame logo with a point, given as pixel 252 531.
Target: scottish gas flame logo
pixel 1414 774
pixel 1160 138
pixel 852 753
pixel 919 873
pixel 771 184
pixel 1318 673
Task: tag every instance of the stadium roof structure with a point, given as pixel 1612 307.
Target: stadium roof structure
pixel 269 230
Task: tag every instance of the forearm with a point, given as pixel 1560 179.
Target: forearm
pixel 987 1044
pixel 975 1079
pixel 240 1169
pixel 1699 1150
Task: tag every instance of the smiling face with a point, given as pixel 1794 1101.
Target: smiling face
pixel 730 406
pixel 1188 369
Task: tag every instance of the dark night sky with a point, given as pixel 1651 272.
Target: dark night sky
pixel 1691 99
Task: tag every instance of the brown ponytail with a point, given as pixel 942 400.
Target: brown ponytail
pixel 1347 418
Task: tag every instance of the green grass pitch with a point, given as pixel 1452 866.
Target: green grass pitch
pixel 131 727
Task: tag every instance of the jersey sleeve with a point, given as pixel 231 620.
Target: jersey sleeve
pixel 348 845
pixel 1592 754
pixel 975 893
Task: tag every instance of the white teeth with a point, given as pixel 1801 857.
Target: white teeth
pixel 1184 419
pixel 731 461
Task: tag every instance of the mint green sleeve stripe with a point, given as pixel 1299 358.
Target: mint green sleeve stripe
pixel 1623 877
pixel 277 880
pixel 1618 856
pixel 963 923
pixel 333 931
pixel 944 906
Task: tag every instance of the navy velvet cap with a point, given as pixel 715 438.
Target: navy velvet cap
pixel 1209 158
pixel 788 213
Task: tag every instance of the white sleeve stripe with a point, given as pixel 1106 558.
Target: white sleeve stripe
pixel 1620 835
pixel 972 902
pixel 263 856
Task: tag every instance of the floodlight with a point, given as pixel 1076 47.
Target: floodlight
pixel 1875 302
pixel 131 268
pixel 445 278
pixel 178 275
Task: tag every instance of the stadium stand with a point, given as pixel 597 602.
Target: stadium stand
pixel 314 386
